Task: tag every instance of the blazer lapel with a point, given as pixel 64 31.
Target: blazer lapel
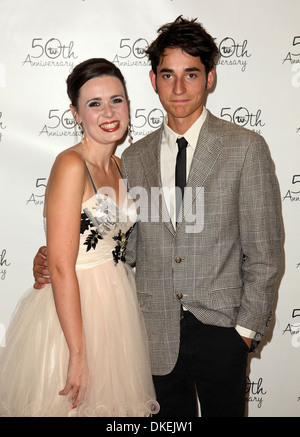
pixel 150 158
pixel 151 162
pixel 207 152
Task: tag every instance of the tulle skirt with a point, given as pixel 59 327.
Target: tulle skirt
pixel 34 363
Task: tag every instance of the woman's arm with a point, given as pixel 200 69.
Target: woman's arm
pixel 63 211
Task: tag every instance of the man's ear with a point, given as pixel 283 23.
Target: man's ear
pixel 153 80
pixel 210 79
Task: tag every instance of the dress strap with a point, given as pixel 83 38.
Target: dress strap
pixel 95 189
pixel 91 178
pixel 117 166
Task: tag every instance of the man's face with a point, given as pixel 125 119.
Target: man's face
pixel 181 84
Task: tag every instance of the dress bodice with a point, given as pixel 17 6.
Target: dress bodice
pixel 105 228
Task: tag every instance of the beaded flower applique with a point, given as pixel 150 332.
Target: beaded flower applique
pixel 106 218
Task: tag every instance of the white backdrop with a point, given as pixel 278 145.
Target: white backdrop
pixel 258 86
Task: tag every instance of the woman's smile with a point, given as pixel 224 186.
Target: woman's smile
pixel 110 126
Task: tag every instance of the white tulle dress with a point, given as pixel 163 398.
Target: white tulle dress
pixel 33 365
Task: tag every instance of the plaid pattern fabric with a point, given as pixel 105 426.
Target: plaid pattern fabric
pixel 226 273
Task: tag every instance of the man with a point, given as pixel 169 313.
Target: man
pixel 206 287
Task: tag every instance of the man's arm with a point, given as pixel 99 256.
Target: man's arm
pixel 248 341
pixel 246 334
pixel 132 240
pixel 260 231
pixel 40 269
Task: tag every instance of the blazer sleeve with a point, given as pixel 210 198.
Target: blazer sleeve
pixel 132 240
pixel 260 233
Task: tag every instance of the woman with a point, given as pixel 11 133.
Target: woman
pixel 79 347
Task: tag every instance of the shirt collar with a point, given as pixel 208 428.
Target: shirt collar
pixel 191 135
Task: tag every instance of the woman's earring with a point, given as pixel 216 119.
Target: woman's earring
pixel 130 138
pixel 81 133
pixel 80 128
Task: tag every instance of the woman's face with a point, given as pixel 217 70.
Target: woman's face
pixel 102 109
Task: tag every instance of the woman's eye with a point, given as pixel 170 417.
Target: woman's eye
pixel 94 104
pixel 118 100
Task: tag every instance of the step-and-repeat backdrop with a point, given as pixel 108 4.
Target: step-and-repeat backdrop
pixel 257 86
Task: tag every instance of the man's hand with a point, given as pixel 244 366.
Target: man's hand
pixel 40 269
pixel 248 341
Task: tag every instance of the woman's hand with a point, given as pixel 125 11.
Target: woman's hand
pixel 76 380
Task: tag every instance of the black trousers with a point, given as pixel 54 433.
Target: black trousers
pixel 212 364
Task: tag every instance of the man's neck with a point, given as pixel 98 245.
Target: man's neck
pixel 181 124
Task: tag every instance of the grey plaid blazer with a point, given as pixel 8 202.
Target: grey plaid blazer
pixel 225 274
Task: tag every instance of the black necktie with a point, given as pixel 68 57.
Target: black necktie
pixel 180 172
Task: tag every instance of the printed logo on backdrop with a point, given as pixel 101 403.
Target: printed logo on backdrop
pixel 234 53
pixel 293 194
pixel 38 195
pixel 4 264
pixel 58 124
pixel 292 329
pixel 293 59
pixel 255 392
pixel 145 121
pixel 131 53
pixel 244 117
pixel 50 53
pixel 2 126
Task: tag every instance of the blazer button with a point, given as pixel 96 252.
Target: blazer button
pixel 178 259
pixel 179 296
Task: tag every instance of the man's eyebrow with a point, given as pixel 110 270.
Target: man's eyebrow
pixel 192 69
pixel 166 70
pixel 170 70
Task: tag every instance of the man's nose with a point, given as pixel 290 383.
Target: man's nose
pixel 179 86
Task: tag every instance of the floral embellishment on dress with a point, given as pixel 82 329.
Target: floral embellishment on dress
pixel 85 223
pixel 107 216
pixel 92 239
pixel 105 219
pixel 120 249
